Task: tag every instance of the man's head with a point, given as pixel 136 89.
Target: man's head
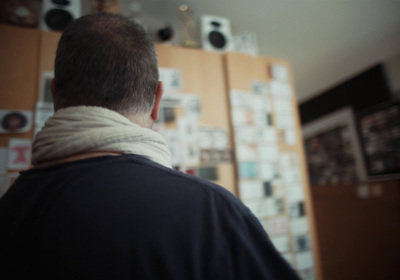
pixel 106 60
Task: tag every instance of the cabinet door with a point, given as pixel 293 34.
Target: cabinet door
pixel 203 75
pixel 19 50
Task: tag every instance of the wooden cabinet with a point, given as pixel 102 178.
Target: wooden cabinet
pixel 287 186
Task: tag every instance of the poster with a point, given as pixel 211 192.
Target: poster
pixel 19 154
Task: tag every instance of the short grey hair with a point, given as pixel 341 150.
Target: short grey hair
pixel 106 60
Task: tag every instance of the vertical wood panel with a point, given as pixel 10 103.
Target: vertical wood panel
pixel 19 51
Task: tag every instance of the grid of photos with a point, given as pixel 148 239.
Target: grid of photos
pixel 270 180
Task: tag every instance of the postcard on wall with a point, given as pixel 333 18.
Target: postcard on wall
pixel 259 88
pixel 242 117
pixel 192 105
pixel 245 134
pixel 43 111
pixel 246 152
pixel 256 207
pixel 268 153
pixel 301 242
pixel 279 72
pixel 241 99
pixel 292 175
pixel 266 135
pixel 171 78
pixel 280 89
pixel 269 171
pixel 299 225
pixel 19 153
pixel 281 242
pixel 296 209
pixel 220 139
pixel 205 137
pixel 189 154
pixel 248 170
pixel 277 225
pixel 45 88
pixel 15 121
pixel 250 190
pixel 269 208
pixel 294 192
pixel 289 159
pixel 304 260
pixel 261 103
pixel 188 129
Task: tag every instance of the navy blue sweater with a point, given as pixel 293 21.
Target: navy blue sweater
pixel 126 217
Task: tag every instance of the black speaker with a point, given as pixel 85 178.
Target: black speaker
pixel 57 14
pixel 216 33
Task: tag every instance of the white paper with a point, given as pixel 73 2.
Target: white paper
pixel 304 260
pixel 294 193
pixel 205 135
pixel 284 121
pixel 246 152
pixel 245 134
pixel 291 175
pixel 277 225
pixel 283 106
pixel 187 128
pixel 288 159
pixel 190 154
pixel 250 190
pixel 19 154
pixel 269 208
pixel 261 103
pixel 44 110
pixel 259 88
pixel 281 242
pixel 220 139
pixel 279 72
pixel 15 121
pixel 255 207
pixel 241 99
pixel 290 137
pixel 171 78
pixel 266 135
pixel 280 89
pixel 268 153
pixel 268 171
pixel 299 225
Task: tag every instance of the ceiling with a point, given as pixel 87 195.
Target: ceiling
pixel 326 41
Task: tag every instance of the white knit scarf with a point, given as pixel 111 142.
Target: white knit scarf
pixel 83 129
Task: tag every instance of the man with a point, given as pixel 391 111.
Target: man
pixel 102 201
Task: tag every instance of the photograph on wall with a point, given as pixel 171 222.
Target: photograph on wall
pixel 15 121
pixel 379 129
pixel 333 149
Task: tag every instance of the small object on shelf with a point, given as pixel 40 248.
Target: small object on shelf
pixel 22 13
pixel 188 29
pixel 58 14
pixel 216 33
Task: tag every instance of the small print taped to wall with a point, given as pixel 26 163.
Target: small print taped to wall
pixel 15 121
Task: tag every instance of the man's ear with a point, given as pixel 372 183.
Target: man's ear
pixel 53 89
pixel 158 95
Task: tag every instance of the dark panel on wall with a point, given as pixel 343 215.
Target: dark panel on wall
pixel 363 91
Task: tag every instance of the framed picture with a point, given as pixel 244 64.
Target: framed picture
pixel 379 129
pixel 333 149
